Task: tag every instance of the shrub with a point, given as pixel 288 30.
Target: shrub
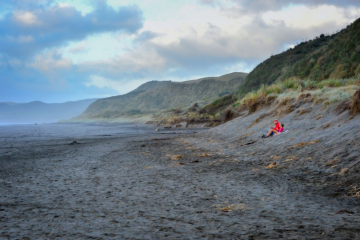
pixel 229 115
pixel 285 101
pixel 270 99
pixel 254 104
pixel 309 84
pixel 355 103
pixel 219 104
pixel 289 83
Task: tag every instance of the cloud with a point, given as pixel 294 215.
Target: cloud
pixel 57 25
pixel 120 86
pixel 135 63
pixel 50 62
pixel 81 47
pixel 207 2
pixel 26 18
pixel 145 36
pixel 12 5
pixel 198 47
pixel 260 6
pixel 202 46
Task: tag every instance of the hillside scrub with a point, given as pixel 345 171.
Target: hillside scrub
pixel 287 96
pixel 327 92
pixel 355 103
pixel 335 56
pixel 218 105
pixel 157 96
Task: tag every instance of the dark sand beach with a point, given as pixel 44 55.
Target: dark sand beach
pixel 68 181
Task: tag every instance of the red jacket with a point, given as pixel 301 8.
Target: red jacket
pixel 277 127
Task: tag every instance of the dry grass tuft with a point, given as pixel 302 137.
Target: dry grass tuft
pixel 204 155
pixel 319 117
pixel 355 191
pixel 285 101
pixel 176 157
pixel 174 120
pixel 331 162
pixel 303 111
pixel 342 107
pixel 229 115
pixel 178 111
pixel 303 144
pixel 270 100
pixel 343 171
pixel 276 157
pixel 254 104
pixel 291 158
pixel 326 126
pixel 303 96
pixel 290 108
pixel 272 165
pixel 242 107
pixel 233 207
pixel 355 103
pixel 149 167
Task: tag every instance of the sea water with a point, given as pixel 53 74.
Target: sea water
pixel 71 131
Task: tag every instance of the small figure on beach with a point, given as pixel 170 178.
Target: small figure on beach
pixel 274 130
pixel 281 129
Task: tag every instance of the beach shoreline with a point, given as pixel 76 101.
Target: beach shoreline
pixel 158 185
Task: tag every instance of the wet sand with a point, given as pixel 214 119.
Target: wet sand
pixel 115 184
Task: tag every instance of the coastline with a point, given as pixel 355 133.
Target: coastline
pixel 155 185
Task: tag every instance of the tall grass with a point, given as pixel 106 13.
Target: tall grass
pixel 293 87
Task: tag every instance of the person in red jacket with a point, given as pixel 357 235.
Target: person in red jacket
pixel 273 130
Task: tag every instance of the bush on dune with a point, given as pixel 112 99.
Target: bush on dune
pixel 327 92
pixel 355 103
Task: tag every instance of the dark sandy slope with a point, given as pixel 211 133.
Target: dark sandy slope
pixel 132 188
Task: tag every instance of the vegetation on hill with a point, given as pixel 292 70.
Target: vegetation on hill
pixel 154 97
pixel 327 92
pixel 327 56
pixel 285 95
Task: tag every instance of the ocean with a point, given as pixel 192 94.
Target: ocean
pixel 19 132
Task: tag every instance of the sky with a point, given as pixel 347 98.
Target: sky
pixel 68 50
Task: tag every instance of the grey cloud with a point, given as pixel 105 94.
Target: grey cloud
pixel 268 5
pixel 215 49
pixel 55 26
pixel 145 36
pixel 207 2
pixel 256 42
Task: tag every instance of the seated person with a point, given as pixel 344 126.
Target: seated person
pixel 281 129
pixel 273 130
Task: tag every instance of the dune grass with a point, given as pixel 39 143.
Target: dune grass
pixel 328 91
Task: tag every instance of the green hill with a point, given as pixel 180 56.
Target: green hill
pixel 156 96
pixel 336 56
